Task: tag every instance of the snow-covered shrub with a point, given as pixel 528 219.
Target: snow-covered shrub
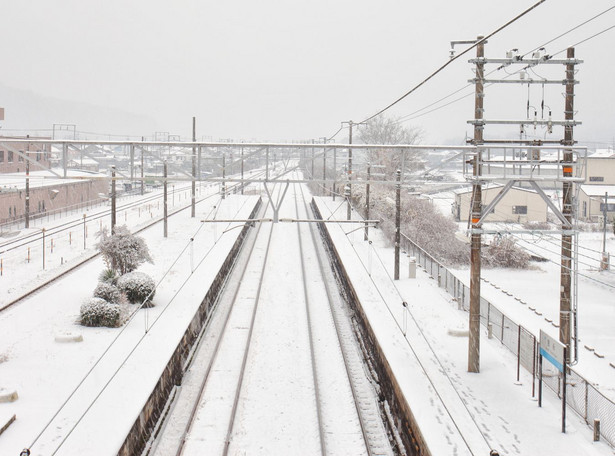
pixel 98 312
pixel 108 292
pixel 137 286
pixel 504 253
pixel 536 225
pixel 420 221
pixel 122 251
pixel 108 276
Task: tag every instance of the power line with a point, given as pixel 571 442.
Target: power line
pixel 482 40
pixel 586 39
pixel 568 31
pixel 115 339
pixel 412 115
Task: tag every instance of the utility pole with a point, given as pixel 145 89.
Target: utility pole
pixel 566 265
pixel 334 187
pixel 165 201
pixel 113 195
pixel 324 165
pixel 193 202
pixel 223 174
pixel 27 214
pixel 242 184
pixel 397 223
pixel 369 173
pixel 474 323
pixel 142 170
pixel 350 124
pixel 313 152
pixel 604 263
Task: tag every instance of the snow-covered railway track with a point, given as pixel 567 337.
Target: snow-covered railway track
pixel 90 256
pixel 276 372
pixel 355 380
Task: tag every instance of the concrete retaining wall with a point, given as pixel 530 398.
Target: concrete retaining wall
pixel 172 376
pixel 405 422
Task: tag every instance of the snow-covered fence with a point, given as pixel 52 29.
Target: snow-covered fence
pixel 582 396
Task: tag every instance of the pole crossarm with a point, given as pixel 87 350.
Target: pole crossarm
pixel 566 123
pixel 531 62
pixel 523 81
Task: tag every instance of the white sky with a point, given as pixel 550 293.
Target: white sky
pixel 277 69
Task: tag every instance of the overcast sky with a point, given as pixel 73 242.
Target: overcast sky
pixel 293 69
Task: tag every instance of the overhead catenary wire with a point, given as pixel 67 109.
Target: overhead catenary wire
pixel 127 357
pixel 415 114
pixel 443 66
pixel 424 337
pixel 130 319
pixel 585 40
pixel 569 31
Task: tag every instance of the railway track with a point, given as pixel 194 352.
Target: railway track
pixel 240 397
pixel 21 242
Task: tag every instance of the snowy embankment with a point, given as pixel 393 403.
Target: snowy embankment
pixel 457 410
pixel 105 405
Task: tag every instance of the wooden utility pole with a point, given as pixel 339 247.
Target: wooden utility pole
pixel 313 154
pixel 193 201
pixel 367 188
pixel 142 170
pixel 474 324
pixel 113 196
pixel 397 222
pixel 565 307
pixel 350 124
pixel 224 173
pixel 334 187
pixel 324 166
pixel 242 184
pixel 165 201
pixel 27 215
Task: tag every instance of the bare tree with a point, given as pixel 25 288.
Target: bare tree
pixel 387 130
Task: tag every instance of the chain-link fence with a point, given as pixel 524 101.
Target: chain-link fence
pixel 581 396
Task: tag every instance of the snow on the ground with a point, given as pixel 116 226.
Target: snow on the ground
pixel 503 413
pixel 538 287
pixel 45 372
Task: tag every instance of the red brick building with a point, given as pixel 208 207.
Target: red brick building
pixel 12 162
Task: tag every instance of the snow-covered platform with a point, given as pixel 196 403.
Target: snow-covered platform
pixel 111 379
pixel 457 412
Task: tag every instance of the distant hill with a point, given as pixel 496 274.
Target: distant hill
pixel 26 110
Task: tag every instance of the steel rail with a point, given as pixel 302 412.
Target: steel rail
pixel 321 433
pixel 334 317
pixel 89 258
pixel 216 351
pixel 227 440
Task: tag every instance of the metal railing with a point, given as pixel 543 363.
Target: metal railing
pixel 582 396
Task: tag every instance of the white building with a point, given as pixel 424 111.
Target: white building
pixel 519 205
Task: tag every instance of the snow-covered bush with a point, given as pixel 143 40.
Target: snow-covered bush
pixel 420 221
pixel 137 286
pixel 108 292
pixel 504 253
pixel 536 226
pixel 98 312
pixel 122 251
pixel 108 276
